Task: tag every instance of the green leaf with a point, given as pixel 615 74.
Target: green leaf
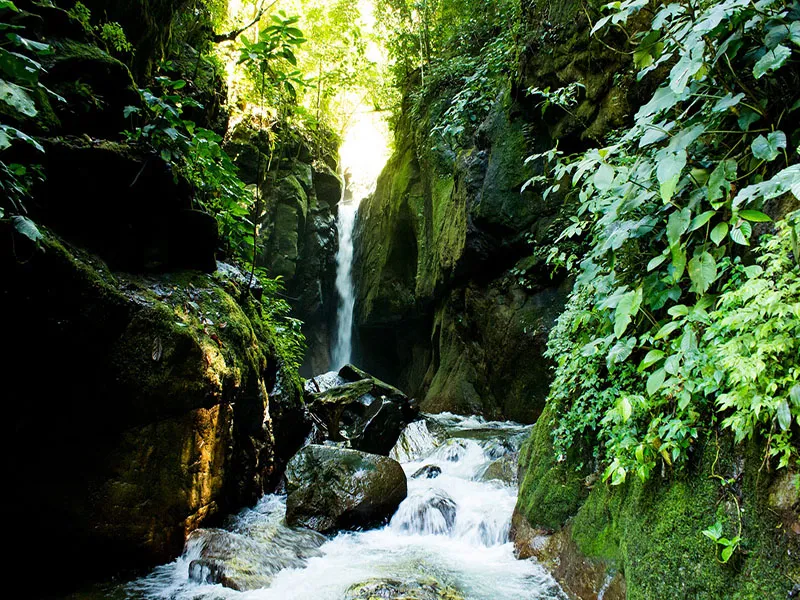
pixel 703 272
pixel 701 220
pixel 720 178
pixel 728 101
pixel 668 171
pixel 604 177
pixel 677 224
pixel 18 67
pixel 794 395
pixel 756 216
pixel 26 227
pixel 667 330
pixel 650 359
pixel 726 553
pixel 784 415
pixel 627 308
pixel 17 98
pixel 771 61
pixel 655 381
pixel 625 409
pixel 8 5
pixel 767 148
pixel 741 233
pixel 719 233
pixel 656 262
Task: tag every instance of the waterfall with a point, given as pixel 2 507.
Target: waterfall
pixel 363 155
pixel 343 347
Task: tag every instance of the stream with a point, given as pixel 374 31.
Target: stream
pixel 453 527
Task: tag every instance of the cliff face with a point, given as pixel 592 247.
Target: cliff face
pixel 450 304
pixel 300 201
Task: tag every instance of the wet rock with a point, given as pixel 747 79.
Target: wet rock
pixel 394 589
pixel 332 488
pixel 503 469
pixel 417 440
pixel 246 563
pixel 428 472
pixel 430 511
pixel 359 408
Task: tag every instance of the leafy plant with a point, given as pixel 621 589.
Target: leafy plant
pixel 667 328
pixel 726 546
pixel 197 154
pixel 114 37
pixel 20 68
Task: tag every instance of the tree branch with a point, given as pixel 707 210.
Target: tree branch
pixel 229 37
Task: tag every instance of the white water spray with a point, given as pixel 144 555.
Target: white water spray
pixel 363 155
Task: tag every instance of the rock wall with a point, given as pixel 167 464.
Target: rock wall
pixel 450 306
pixel 301 198
pixel 644 538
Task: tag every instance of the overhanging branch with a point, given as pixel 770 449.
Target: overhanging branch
pixel 229 37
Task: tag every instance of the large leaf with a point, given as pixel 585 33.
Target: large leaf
pixel 18 67
pixel 26 227
pixel 17 98
pixel 771 61
pixel 767 148
pixel 784 415
pixel 627 308
pixel 782 182
pixel 703 272
pixel 668 171
pixel 677 224
pixel 719 233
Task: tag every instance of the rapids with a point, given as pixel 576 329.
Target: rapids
pixel 453 526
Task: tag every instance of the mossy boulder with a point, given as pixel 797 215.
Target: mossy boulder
pixel 332 488
pixel 650 533
pixel 395 589
pixel 144 400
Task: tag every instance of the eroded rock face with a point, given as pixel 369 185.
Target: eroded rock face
pixel 140 405
pixel 299 225
pixel 332 488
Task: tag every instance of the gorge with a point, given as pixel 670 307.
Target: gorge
pixel 430 300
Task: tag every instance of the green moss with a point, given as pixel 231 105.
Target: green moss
pixel 652 531
pixel 550 492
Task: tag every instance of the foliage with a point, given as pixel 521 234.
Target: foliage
pixel 196 153
pixel 669 210
pixel 111 33
pixel 462 50
pixel 290 341
pixel 20 70
pixel 114 37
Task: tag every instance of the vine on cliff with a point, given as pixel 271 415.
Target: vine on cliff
pixel 671 330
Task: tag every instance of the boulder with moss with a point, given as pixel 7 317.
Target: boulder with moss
pixel 142 405
pixel 332 488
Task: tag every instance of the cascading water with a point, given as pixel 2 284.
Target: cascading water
pixel 363 155
pixel 453 527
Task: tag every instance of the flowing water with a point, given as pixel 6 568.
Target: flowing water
pixel 453 526
pixel 364 153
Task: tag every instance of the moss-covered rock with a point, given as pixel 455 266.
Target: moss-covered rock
pixel 651 532
pixel 333 488
pixel 393 589
pixel 145 401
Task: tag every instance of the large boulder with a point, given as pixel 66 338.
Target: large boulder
pixel 332 488
pixel 355 407
pixel 149 402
